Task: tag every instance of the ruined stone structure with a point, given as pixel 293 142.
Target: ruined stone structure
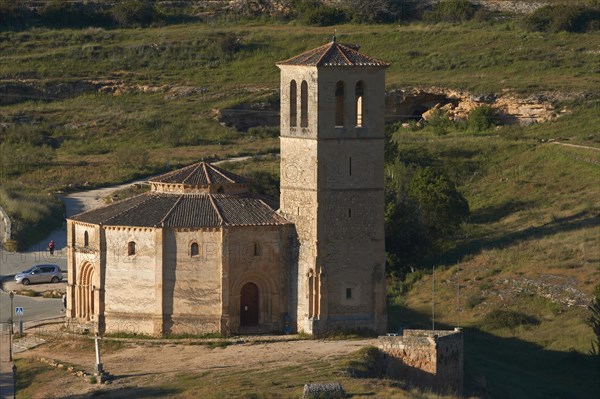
pixel 200 253
pixel 426 358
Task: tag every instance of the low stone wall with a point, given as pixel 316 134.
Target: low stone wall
pixel 425 358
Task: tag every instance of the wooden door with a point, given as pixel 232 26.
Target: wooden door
pixel 249 305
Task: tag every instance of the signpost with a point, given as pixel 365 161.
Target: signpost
pixel 19 312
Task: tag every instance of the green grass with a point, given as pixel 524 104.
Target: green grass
pixel 529 246
pixel 534 204
pixel 167 80
pixel 288 381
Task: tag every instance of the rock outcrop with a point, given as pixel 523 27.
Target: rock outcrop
pixel 414 103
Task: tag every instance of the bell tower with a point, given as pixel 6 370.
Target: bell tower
pixel 332 187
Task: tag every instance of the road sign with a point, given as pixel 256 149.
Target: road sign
pixel 19 311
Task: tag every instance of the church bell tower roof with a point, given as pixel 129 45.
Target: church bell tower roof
pixel 333 54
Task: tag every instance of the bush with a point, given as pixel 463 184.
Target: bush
pixel 481 118
pixel 567 18
pixel 472 301
pixel 315 13
pixel 439 122
pixel 12 14
pixel 134 12
pixel 228 44
pixel 452 11
pixel 510 319
pixel 264 131
pixel 60 13
pixel 379 11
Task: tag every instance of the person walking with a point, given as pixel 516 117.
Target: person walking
pixel 51 247
pixel 64 302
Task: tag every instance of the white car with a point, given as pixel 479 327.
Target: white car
pixel 40 274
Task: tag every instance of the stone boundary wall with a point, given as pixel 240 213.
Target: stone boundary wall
pixel 426 358
pixel 5 226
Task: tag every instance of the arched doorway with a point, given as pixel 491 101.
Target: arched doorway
pixel 249 305
pixel 85 292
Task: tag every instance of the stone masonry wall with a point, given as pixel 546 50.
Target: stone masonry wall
pixel 131 281
pixel 425 358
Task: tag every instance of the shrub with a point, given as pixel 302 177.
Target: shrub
pixel 315 13
pixel 472 301
pixel 61 13
pixel 510 319
pixel 481 118
pixel 12 14
pixel 134 12
pixel 439 122
pixel 452 11
pixel 228 44
pixel 264 131
pixel 569 18
pixel 379 11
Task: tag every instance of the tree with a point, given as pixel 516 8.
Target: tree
pixel 423 209
pixel 442 208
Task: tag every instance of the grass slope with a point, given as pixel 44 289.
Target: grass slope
pixel 531 248
pixel 531 245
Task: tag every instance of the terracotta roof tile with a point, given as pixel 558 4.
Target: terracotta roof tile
pixel 185 210
pixel 333 54
pixel 199 174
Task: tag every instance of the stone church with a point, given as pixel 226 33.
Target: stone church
pixel 200 253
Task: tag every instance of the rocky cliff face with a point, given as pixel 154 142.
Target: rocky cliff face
pixel 414 103
pixel 401 104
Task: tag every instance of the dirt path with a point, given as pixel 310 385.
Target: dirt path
pixel 576 146
pixel 141 365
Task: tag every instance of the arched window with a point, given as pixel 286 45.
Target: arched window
pixel 293 104
pixel 339 104
pixel 86 239
pixel 131 248
pixel 304 104
pixel 359 94
pixel 194 249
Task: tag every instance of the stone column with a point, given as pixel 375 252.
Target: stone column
pixel 158 278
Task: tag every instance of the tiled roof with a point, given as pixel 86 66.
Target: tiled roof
pixel 154 209
pixel 333 54
pixel 199 174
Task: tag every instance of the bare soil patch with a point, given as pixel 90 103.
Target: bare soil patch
pixel 151 366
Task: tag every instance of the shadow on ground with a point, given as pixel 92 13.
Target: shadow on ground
pixel 510 368
pixel 578 221
pixel 132 392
